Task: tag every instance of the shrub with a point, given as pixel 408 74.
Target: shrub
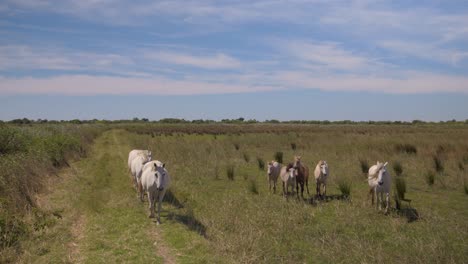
pixel 261 164
pixel 406 148
pixel 398 168
pixel 430 178
pixel 364 166
pixel 246 157
pixel 293 146
pixel 279 156
pixel 344 186
pixel 400 186
pixel 236 146
pixel 230 172
pixel 438 164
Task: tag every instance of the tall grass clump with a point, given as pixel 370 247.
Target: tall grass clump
pixel 344 185
pixel 364 166
pixel 246 157
pixel 293 146
pixel 438 163
pixel 261 164
pixel 430 178
pixel 279 156
pixel 230 172
pixel 400 186
pixel 398 168
pixel 406 148
pixel 253 187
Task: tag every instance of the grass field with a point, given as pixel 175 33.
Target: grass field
pixel 211 218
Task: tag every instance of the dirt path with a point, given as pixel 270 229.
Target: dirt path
pixel 101 220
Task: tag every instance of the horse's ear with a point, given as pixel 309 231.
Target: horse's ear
pixel 164 165
pixel 155 165
pixel 385 165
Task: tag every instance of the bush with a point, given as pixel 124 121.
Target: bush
pixel 236 146
pixel 398 168
pixel 400 185
pixel 438 164
pixel 430 178
pixel 364 166
pixel 261 164
pixel 279 156
pixel 230 172
pixel 11 140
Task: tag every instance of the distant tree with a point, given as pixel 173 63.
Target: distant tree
pixel 76 121
pixel 145 119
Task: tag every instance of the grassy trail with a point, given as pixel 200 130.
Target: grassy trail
pixel 100 219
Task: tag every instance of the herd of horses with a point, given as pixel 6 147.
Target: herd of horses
pixel 296 175
pixel 151 177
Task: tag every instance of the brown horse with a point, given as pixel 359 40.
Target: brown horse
pixel 302 176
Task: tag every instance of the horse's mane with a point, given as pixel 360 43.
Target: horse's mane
pixel 378 168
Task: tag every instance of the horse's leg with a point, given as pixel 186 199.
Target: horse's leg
pixel 274 186
pixel 151 203
pixel 371 193
pixel 307 186
pixel 387 200
pixel 297 189
pixel 284 193
pixel 140 191
pixel 302 190
pixel 160 199
pixel 324 189
pixel 317 188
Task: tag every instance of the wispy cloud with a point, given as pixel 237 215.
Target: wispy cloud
pixel 328 55
pixel 217 61
pixel 425 51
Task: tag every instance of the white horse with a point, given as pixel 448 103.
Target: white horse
pixel 154 181
pixel 273 172
pixel 136 169
pixel 132 155
pixel 380 182
pixel 288 176
pixel 321 175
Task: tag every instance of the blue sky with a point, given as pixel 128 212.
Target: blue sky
pixel 299 59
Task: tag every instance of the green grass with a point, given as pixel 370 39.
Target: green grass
pixel 209 218
pixel 243 226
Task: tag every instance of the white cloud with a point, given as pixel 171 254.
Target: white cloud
pixel 217 61
pixel 411 82
pixel 425 51
pixel 329 55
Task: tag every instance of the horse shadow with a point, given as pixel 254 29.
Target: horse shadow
pixel 317 199
pixel 189 220
pixel 169 197
pixel 407 211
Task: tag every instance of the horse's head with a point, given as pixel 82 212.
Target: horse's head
pixel 150 156
pixel 297 161
pixel 382 171
pixel 270 166
pixel 324 168
pixel 160 174
pixel 292 173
